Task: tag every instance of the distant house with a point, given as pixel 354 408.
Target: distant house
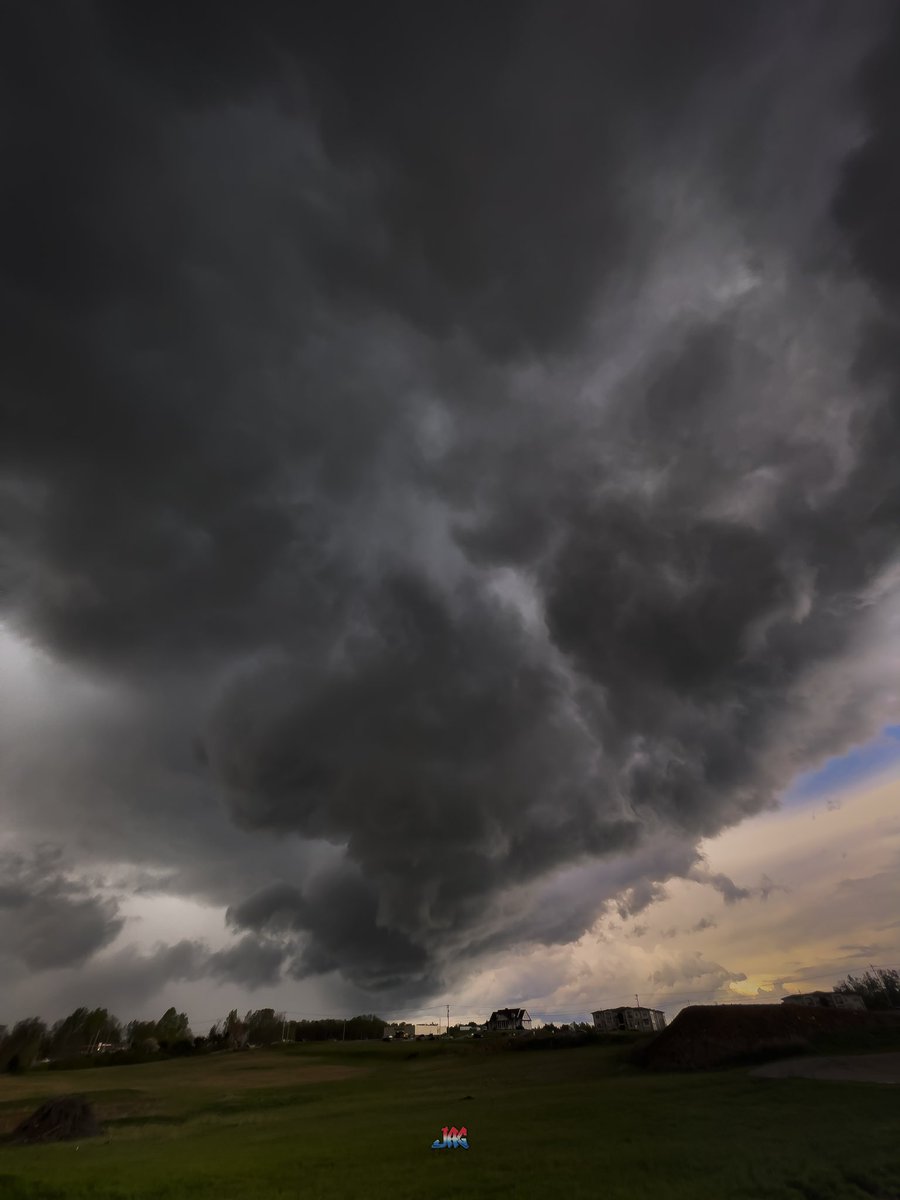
pixel 639 1020
pixel 509 1020
pixel 471 1027
pixel 826 1000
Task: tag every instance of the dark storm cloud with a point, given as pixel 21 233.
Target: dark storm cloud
pixel 639 897
pixel 703 923
pixel 337 913
pixel 438 727
pixel 498 135
pixel 132 982
pixel 864 205
pixel 438 429
pixel 112 774
pixel 48 920
pixel 869 192
pixel 251 961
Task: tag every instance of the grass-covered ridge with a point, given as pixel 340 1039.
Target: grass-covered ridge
pixel 357 1120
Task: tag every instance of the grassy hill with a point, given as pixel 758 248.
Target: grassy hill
pixel 339 1121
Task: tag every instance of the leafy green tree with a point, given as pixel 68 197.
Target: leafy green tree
pixel 366 1026
pixel 138 1032
pixel 172 1027
pixel 102 1027
pixel 82 1030
pixel 879 987
pixel 235 1031
pixel 264 1026
pixel 67 1037
pixel 21 1045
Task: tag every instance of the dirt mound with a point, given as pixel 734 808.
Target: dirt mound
pixel 63 1119
pixel 705 1036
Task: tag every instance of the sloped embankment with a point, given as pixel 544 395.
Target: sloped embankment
pixel 706 1036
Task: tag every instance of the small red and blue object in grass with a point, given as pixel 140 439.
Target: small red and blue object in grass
pixel 452 1139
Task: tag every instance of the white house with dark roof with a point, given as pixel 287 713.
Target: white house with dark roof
pixel 509 1020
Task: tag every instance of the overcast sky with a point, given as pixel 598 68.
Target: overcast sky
pixel 448 503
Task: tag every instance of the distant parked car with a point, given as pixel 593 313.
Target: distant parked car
pixel 388 1037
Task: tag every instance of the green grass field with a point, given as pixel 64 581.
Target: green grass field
pixel 358 1120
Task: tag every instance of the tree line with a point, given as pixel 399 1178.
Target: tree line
pixel 264 1027
pixel 95 1035
pixel 879 987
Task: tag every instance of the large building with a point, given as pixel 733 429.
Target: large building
pixel 509 1020
pixel 400 1029
pixel 640 1020
pixel 826 1000
pixel 428 1029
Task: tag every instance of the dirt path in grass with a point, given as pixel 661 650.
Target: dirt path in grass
pixel 851 1068
pixel 256 1073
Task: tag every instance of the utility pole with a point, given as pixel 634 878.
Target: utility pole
pixel 448 1018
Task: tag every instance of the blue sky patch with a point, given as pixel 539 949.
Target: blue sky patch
pixel 857 764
